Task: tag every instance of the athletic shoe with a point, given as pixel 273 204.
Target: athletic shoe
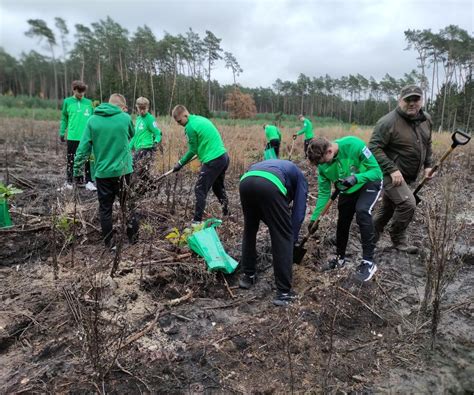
pixel 66 187
pixel 246 281
pixel 284 298
pixel 335 263
pixel 365 271
pixel 90 186
pixel 405 247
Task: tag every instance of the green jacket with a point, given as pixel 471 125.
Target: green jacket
pixel 74 117
pixel 204 140
pixel 272 133
pixel 402 143
pixel 107 135
pixel 353 158
pixel 146 133
pixel 307 129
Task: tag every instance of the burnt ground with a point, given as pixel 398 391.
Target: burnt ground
pixel 163 324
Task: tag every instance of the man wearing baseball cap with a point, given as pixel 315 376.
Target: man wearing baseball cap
pixel 401 143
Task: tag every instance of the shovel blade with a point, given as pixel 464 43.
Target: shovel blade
pixel 298 254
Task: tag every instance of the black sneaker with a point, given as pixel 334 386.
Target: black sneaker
pixel 246 281
pixel 284 298
pixel 365 271
pixel 335 263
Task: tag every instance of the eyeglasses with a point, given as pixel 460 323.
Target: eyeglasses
pixel 411 99
pixel 80 90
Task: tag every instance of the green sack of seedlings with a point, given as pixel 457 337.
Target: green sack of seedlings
pixel 206 244
pixel 5 220
pixel 269 153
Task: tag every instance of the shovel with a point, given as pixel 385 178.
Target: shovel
pixel 299 251
pixel 459 137
pixel 171 171
pixel 291 150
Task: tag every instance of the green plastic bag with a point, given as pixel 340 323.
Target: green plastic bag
pixel 206 244
pixel 269 153
pixel 5 220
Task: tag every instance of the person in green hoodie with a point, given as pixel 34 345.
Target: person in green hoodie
pixel 307 130
pixel 75 113
pixel 107 136
pixel 143 145
pixel 205 141
pixel 349 164
pixel 273 136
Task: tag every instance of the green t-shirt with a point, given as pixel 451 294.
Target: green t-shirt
pixel 272 133
pixel 107 136
pixel 204 140
pixel 74 116
pixel 146 132
pixel 353 158
pixel 307 129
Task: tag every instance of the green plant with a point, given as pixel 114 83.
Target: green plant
pixel 180 239
pixel 6 191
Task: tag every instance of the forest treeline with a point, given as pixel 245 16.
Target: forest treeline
pixel 179 69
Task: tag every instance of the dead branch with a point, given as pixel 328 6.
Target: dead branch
pixel 362 302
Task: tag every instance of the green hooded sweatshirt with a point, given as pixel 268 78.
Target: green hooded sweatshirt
pixel 307 129
pixel 353 158
pixel 146 133
pixel 204 140
pixel 107 135
pixel 272 133
pixel 74 117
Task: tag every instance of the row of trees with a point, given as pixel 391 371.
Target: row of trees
pixel 179 69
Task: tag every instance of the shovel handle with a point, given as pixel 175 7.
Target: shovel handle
pixel 323 213
pixel 457 140
pixel 291 150
pixel 460 137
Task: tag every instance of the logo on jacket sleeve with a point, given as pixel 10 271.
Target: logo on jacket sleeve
pixel 367 152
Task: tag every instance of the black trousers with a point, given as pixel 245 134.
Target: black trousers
pixel 142 162
pixel 107 190
pixel 361 203
pixel 71 152
pixel 262 201
pixel 212 175
pixel 276 146
pixel 306 143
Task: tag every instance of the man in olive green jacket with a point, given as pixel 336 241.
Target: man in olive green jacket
pixel 401 143
pixel 204 141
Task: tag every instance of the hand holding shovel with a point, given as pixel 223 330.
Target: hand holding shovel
pixel 299 251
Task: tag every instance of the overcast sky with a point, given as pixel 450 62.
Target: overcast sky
pixel 270 38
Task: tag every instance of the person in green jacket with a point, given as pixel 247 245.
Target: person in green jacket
pixel 307 130
pixel 205 141
pixel 75 113
pixel 143 145
pixel 273 136
pixel 107 136
pixel 349 164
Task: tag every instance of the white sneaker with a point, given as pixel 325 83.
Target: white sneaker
pixel 66 187
pixel 90 186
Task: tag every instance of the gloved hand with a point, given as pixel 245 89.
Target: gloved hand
pixel 177 167
pixel 63 140
pixel 313 227
pixel 295 136
pixel 348 181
